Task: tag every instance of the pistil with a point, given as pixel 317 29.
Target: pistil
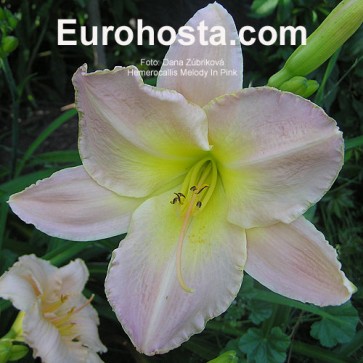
pixel 197 189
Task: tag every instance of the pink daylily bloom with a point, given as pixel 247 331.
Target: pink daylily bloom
pixel 207 179
pixel 58 323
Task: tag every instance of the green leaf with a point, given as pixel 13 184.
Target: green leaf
pixel 201 347
pixel 319 98
pixel 261 348
pixel 131 7
pixel 54 157
pixel 262 8
pixel 17 352
pixel 227 357
pixel 58 122
pixel 234 345
pixel 259 311
pixel 4 208
pixel 247 290
pixel 319 354
pixel 339 327
pixel 7 259
pixel 353 143
pixel 4 304
pixel 235 311
pixel 284 10
pixel 310 213
pixel 271 297
pixel 5 350
pixel 18 184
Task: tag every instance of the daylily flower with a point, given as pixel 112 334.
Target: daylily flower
pixel 59 323
pixel 207 179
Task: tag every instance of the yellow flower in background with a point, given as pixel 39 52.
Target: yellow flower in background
pixel 59 323
pixel 207 179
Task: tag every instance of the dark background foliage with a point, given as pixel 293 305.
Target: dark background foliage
pixel 37 137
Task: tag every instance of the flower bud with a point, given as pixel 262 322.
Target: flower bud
pixel 9 44
pixel 340 25
pixel 300 86
pixel 18 352
pixel 11 352
pixel 311 87
pixel 5 350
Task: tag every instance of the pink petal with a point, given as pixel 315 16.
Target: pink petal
pixel 47 342
pixel 142 284
pixel 25 281
pixel 278 154
pixel 135 139
pixel 196 87
pixel 73 277
pixel 296 261
pixel 87 327
pixel 73 206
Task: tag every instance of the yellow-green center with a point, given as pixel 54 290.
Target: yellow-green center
pixel 197 189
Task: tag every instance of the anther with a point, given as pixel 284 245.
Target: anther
pixel 193 188
pixel 178 198
pixel 201 189
pixel 199 204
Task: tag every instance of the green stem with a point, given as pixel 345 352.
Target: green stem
pixel 270 322
pixel 353 143
pixel 58 122
pixel 225 328
pixel 4 64
pixel 277 299
pixel 40 38
pixel 16 331
pixel 332 89
pixel 319 354
pixel 61 255
pixel 282 317
pixel 4 208
pixel 97 269
pixel 320 94
pixel 4 304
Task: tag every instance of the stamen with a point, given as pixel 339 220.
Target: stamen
pixel 51 307
pixel 178 198
pixel 84 305
pixel 202 188
pixel 197 188
pixel 186 222
pixel 64 319
pixel 183 231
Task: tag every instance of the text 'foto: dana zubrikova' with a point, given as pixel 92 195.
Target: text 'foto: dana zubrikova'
pixel 207 179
